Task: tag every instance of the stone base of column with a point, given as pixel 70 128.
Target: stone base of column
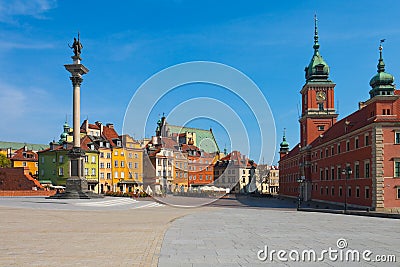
pixel 76 188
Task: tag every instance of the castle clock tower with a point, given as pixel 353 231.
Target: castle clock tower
pixel 318 103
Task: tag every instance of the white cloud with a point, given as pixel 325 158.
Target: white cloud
pixel 12 102
pixel 30 114
pixel 24 45
pixel 9 9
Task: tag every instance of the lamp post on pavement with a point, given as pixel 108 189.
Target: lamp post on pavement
pixel 347 172
pixel 300 180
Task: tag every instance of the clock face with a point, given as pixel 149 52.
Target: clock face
pixel 321 95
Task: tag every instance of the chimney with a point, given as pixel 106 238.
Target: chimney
pixel 52 145
pixel 154 140
pixel 100 124
pixel 110 125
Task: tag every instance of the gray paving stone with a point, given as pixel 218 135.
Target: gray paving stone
pixel 237 236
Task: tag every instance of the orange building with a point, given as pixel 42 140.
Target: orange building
pixel 27 159
pixel 200 166
pixel 355 161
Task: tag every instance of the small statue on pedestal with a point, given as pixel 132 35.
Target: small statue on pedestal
pixel 77 47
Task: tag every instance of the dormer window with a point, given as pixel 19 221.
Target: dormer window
pixel 319 68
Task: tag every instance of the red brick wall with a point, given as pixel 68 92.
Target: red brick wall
pixel 289 171
pixel 10 193
pixel 359 154
pixel 392 151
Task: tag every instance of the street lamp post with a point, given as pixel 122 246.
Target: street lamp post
pixel 347 172
pixel 300 180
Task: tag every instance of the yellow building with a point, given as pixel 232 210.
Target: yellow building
pixel 27 159
pixel 105 168
pixel 133 152
pixel 120 160
pixel 22 155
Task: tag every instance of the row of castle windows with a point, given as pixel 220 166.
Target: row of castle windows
pixel 331 151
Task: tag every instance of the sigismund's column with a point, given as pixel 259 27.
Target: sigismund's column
pixel 76 184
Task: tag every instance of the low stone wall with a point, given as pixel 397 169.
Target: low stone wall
pixel 25 193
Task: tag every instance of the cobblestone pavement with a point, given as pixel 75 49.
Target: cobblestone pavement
pixel 112 232
pixel 43 237
pixel 233 237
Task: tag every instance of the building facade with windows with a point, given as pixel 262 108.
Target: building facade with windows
pixel 236 172
pixel 181 171
pixel 269 179
pixel 200 166
pixel 54 164
pixel 354 161
pixel 26 159
pixel 133 151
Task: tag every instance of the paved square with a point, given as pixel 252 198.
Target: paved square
pixel 123 232
pixel 233 237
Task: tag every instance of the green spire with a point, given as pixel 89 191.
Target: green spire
pixel 316 44
pixel 381 64
pixel 284 145
pixel 317 70
pixel 64 134
pixel 382 82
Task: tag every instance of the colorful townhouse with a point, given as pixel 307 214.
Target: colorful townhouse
pixel 27 159
pixel 180 171
pixel 268 179
pixel 159 164
pixel 201 171
pixel 22 155
pixel 133 151
pixel 236 172
pixel 54 164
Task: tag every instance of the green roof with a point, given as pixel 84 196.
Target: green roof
pixel 205 139
pixel 17 145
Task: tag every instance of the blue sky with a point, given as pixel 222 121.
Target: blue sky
pixel 127 42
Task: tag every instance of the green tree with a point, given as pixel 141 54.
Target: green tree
pixel 4 161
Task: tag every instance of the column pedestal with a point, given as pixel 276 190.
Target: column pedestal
pixel 76 185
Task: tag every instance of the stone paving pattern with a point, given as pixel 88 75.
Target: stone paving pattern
pixel 232 237
pixel 37 237
pixel 36 232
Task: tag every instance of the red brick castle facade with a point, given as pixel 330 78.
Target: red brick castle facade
pixel 354 161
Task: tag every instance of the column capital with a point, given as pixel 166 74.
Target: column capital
pixel 76 80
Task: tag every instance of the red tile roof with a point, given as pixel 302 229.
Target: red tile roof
pixel 237 159
pixel 94 126
pixel 110 134
pixel 85 141
pixel 169 143
pixel 186 147
pixel 29 155
pixel 348 124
